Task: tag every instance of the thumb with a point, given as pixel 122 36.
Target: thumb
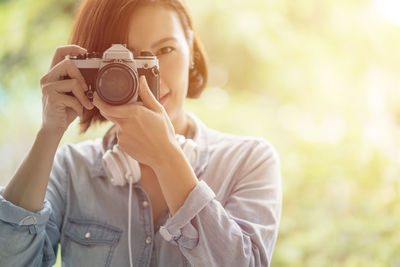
pixel 147 96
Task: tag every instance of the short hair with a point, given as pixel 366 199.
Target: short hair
pixel 101 23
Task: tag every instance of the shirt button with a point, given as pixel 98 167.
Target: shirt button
pixel 145 203
pixel 148 240
pixel 88 235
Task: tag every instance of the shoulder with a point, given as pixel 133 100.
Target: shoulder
pixel 241 158
pixel 247 147
pixel 234 153
pixel 217 142
pixel 236 163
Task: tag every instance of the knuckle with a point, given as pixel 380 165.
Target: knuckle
pixel 43 79
pixel 45 89
pixel 68 62
pixel 62 50
pixel 59 50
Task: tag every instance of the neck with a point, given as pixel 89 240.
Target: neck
pixel 181 124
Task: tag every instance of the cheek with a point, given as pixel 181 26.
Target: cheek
pixel 174 71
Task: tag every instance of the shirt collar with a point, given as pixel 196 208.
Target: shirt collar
pixel 200 138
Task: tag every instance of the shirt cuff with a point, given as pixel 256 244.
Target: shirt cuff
pixel 20 217
pixel 178 229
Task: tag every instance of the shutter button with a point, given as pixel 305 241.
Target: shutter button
pixel 88 235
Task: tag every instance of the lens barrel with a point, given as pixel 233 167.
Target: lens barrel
pixel 117 84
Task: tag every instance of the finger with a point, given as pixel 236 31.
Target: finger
pixel 110 111
pixel 147 96
pixel 74 104
pixel 69 102
pixel 65 50
pixel 66 68
pixel 69 86
pixel 107 117
pixel 116 120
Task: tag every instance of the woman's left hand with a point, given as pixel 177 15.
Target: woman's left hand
pixel 143 131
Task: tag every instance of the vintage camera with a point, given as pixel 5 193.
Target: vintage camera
pixel 115 76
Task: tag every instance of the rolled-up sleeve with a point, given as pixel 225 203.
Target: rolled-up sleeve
pixel 243 230
pixel 178 228
pixel 31 238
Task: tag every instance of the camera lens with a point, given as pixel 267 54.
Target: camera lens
pixel 117 84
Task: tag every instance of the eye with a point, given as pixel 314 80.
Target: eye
pixel 165 50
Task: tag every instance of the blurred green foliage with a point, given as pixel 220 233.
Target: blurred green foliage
pixel 319 79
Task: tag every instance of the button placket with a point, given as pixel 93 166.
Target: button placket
pixel 148 221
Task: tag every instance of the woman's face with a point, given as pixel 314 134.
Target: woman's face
pixel 158 29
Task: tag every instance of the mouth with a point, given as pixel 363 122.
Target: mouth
pixel 163 98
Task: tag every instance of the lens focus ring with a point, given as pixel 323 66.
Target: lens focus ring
pixel 117 84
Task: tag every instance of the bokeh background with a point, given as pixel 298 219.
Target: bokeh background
pixel 319 79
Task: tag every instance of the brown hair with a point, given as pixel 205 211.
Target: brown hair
pixel 100 23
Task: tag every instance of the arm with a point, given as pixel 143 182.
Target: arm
pixel 176 178
pixel 31 238
pixel 29 225
pixel 27 188
pixel 243 230
pixel 202 227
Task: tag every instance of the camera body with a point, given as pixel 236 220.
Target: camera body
pixel 115 76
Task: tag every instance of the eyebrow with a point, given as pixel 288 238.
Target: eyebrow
pixel 163 40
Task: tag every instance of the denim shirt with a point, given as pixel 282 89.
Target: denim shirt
pixel 230 218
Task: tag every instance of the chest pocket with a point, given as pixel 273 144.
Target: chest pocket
pixel 89 243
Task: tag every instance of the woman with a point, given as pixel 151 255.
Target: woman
pixel 222 211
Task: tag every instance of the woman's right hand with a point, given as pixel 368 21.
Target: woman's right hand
pixel 60 108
